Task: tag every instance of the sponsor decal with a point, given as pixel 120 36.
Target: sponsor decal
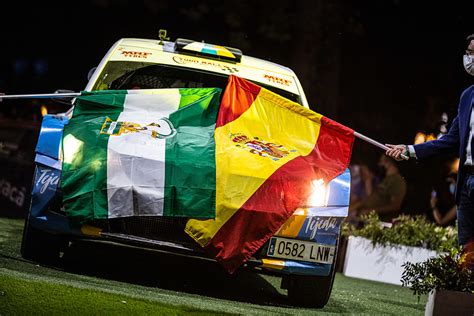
pixel 134 54
pixel 12 193
pixel 260 147
pixel 276 79
pixel 324 224
pixel 162 128
pixel 46 179
pixel 187 61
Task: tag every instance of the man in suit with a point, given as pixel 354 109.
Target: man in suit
pixel 459 139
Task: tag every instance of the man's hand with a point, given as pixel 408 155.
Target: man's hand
pixel 396 151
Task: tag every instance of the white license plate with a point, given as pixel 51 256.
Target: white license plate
pixel 300 250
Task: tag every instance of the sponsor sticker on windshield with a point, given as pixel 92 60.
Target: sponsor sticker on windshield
pixel 134 53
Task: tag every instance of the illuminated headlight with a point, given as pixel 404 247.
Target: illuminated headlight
pixel 320 193
pixel 72 148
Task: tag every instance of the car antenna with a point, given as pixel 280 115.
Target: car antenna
pixel 162 36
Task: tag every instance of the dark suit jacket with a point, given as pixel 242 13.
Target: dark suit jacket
pixel 455 141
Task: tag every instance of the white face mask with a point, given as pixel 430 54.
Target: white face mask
pixel 452 188
pixel 468 61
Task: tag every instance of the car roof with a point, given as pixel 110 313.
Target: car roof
pixel 246 60
pixel 138 49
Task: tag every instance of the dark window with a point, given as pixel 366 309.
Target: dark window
pixel 132 75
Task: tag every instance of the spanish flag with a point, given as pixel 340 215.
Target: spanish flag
pixel 269 150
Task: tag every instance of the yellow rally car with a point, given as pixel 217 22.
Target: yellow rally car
pixel 303 251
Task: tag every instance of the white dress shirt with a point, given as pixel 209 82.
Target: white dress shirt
pixel 468 147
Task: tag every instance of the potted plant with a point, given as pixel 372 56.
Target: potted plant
pixel 377 250
pixel 447 280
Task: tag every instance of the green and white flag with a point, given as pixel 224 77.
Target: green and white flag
pixel 140 153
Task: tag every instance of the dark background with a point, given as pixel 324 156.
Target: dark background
pixel 387 69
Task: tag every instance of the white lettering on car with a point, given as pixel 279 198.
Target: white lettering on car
pixel 315 224
pixel 46 180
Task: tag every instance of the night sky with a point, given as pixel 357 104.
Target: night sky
pixel 385 68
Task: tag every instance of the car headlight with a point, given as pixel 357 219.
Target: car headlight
pixel 320 193
pixel 72 147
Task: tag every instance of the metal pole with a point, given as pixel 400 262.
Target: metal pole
pixel 76 94
pixel 376 143
pixel 40 96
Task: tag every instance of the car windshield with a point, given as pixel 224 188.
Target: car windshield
pixel 119 75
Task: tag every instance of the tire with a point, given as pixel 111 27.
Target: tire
pixel 309 290
pixel 41 247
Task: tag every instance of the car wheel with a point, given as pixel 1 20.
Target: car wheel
pixel 314 291
pixel 311 290
pixel 41 246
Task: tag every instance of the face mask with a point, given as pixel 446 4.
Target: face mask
pixel 452 188
pixel 468 61
pixel 355 171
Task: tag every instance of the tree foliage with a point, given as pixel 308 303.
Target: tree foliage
pixel 445 272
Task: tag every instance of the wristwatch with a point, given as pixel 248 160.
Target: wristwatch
pixel 410 151
pixel 406 152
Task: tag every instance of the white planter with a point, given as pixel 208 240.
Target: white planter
pixel 442 302
pixel 382 264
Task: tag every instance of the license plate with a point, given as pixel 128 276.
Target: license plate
pixel 300 250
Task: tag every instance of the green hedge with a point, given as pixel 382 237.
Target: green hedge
pixel 415 231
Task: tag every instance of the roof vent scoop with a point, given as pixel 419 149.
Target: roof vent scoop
pixel 207 50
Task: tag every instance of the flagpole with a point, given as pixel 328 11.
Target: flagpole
pixel 40 96
pixel 376 143
pixel 76 94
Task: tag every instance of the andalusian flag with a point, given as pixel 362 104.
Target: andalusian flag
pixel 269 150
pixel 140 152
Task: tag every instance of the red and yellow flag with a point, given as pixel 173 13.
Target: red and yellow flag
pixel 269 150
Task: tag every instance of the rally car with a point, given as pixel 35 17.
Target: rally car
pixel 304 249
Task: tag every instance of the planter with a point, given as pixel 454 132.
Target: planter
pixel 443 302
pixel 380 263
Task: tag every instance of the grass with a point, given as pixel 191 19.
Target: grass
pixel 97 280
pixel 26 297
